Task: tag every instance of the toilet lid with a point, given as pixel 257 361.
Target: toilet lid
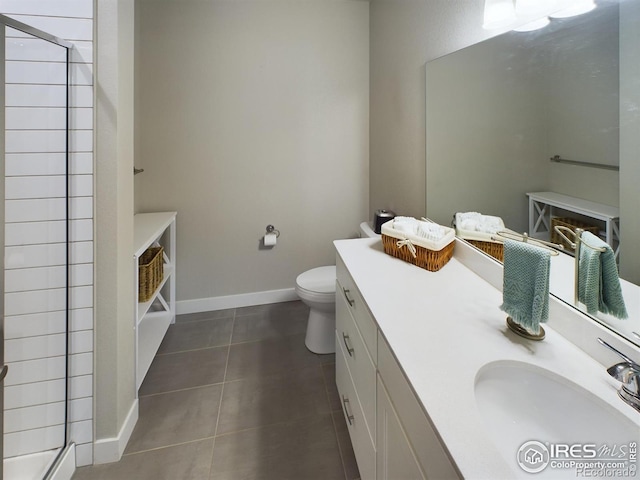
pixel 321 279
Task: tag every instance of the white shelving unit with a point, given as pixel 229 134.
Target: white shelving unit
pixel 152 318
pixel 541 210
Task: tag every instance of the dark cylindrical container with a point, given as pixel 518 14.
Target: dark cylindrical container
pixel 380 217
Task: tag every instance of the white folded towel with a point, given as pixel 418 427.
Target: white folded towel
pixel 476 222
pixel 405 225
pixel 431 231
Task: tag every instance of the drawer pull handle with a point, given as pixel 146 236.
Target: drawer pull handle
pixel 345 400
pixel 346 345
pixel 350 301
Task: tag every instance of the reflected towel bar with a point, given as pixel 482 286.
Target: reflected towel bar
pixel 604 166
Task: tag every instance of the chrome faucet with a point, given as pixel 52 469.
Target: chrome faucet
pixel 628 373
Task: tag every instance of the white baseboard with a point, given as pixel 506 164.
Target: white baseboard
pixel 109 450
pixel 235 301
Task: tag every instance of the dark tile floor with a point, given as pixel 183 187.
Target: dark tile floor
pixel 235 395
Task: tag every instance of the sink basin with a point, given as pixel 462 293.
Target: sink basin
pixel 520 403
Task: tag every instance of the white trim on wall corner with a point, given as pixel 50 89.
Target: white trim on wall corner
pixel 109 450
pixel 234 301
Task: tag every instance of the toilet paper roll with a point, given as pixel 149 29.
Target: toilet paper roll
pixel 270 239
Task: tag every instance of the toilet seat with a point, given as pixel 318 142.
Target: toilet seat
pixel 319 282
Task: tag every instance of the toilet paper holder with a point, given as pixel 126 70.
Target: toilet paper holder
pixel 272 229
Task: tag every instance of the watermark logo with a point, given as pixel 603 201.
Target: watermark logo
pixel 533 456
pixel 585 459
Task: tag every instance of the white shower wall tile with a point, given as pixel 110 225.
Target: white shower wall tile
pixel 35 141
pixel 35 210
pixel 35 187
pixel 28 418
pixel 82 163
pixel 82 432
pixel 81 185
pixel 32 441
pixel 82 96
pixel 47 323
pixel 24 303
pixel 81 387
pixel 81 252
pixel 37 393
pixel 81 319
pixel 35 118
pixel 32 256
pixel 65 28
pixel 81 342
pixel 84 454
pixel 32 49
pixel 36 76
pixel 43 96
pixel 39 370
pixel 83 52
pixel 36 73
pixel 81 141
pixel 81 409
pixel 22 280
pixel 22 349
pixel 67 8
pixel 81 74
pixel 81 364
pixel 81 118
pixel 26 164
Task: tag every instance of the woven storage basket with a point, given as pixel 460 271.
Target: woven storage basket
pixel 572 224
pixel 496 250
pixel 150 272
pixel 432 260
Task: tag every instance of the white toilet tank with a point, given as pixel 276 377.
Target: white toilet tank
pixel 367 232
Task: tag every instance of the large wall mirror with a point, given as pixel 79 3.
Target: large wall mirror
pixel 500 110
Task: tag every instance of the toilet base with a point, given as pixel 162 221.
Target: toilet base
pixel 321 332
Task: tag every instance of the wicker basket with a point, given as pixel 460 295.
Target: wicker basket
pixel 425 258
pixel 495 249
pixel 150 272
pixel 572 224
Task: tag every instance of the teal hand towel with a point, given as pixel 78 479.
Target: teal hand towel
pixel 598 280
pixel 525 288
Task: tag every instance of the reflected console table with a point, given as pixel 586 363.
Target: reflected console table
pixel 543 205
pixel 153 317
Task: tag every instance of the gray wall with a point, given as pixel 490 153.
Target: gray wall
pixel 405 34
pixel 252 113
pixel 486 133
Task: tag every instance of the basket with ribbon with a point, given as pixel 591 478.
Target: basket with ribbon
pixel 422 243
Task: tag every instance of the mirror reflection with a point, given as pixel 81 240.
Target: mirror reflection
pixel 542 129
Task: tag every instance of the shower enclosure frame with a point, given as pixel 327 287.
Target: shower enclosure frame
pixel 6 21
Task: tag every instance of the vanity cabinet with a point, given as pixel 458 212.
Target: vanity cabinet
pixel 408 446
pixel 153 317
pixel 391 435
pixel 356 349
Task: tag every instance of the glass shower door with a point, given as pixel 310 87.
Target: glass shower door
pixel 36 252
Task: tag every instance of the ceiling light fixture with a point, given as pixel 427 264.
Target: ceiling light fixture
pixel 498 14
pixel 535 25
pixel 577 8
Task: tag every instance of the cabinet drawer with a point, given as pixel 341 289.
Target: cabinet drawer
pixel 358 362
pixel 347 289
pixel 432 457
pixel 362 446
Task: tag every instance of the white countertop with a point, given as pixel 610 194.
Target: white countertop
pixel 443 327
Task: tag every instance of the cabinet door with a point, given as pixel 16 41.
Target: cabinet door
pixel 395 459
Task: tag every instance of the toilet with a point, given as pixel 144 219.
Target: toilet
pixel 317 289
